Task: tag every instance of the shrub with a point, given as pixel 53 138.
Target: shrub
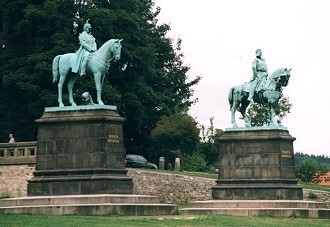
pixel 312 195
pixel 194 162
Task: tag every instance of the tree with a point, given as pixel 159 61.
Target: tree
pixel 175 136
pixel 260 114
pixel 320 159
pixel 209 143
pixel 309 171
pixel 148 82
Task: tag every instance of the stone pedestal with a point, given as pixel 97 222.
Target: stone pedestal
pixel 80 151
pixel 256 165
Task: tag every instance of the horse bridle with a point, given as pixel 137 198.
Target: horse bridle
pixel 107 62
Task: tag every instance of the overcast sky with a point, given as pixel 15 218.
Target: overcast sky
pixel 219 39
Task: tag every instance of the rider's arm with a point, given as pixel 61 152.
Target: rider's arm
pixel 94 47
pixel 254 68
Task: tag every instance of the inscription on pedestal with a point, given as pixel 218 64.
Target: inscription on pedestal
pixel 113 139
pixel 286 154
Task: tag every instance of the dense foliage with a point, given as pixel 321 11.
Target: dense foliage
pixel 175 136
pixel 260 114
pixel 209 145
pixel 309 168
pixel 320 159
pixel 148 82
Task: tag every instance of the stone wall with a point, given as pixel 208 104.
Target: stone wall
pixel 321 196
pixel 171 188
pixel 13 179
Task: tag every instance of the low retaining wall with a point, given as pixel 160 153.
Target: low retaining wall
pixel 13 179
pixel 171 188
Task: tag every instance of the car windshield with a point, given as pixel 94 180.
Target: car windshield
pixel 142 159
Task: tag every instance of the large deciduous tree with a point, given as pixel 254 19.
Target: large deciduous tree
pixel 260 114
pixel 149 81
pixel 309 170
pixel 175 136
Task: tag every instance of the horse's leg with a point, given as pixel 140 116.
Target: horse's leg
pixel 98 85
pixel 60 88
pixel 70 89
pixel 245 103
pixel 232 98
pixel 272 120
pixel 234 107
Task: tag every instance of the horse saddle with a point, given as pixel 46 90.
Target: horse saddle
pixel 261 85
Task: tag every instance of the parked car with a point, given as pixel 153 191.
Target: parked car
pixel 138 161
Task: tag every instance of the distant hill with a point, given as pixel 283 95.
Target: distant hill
pixel 321 159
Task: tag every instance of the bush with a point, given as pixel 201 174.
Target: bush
pixel 195 162
pixel 312 195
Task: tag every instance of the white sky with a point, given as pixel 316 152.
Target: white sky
pixel 219 39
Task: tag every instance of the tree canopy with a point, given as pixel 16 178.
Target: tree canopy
pixel 260 114
pixel 174 136
pixel 148 82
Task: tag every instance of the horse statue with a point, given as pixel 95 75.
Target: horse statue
pixel 268 91
pixel 98 65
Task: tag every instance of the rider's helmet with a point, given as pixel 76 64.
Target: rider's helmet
pixel 87 26
pixel 259 53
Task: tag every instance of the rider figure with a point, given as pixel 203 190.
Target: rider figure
pixel 87 46
pixel 260 71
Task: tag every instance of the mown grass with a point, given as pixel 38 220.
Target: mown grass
pixel 187 173
pixel 314 186
pixel 175 220
pixel 215 176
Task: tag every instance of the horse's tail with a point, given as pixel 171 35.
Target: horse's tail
pixel 231 96
pixel 56 67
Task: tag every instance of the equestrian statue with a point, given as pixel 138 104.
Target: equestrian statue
pixel 262 89
pixel 86 60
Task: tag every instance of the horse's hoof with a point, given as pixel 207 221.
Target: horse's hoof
pixel 73 104
pixel 61 105
pixel 101 103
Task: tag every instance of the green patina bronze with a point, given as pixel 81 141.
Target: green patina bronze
pixel 262 88
pixel 86 59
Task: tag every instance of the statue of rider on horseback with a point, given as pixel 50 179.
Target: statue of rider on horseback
pixel 262 89
pixel 88 58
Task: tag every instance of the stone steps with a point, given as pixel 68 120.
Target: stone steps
pixel 104 204
pixel 275 208
pixel 257 204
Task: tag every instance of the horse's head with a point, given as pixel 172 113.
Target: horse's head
pixel 116 49
pixel 281 76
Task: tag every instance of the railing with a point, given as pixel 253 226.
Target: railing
pixel 18 153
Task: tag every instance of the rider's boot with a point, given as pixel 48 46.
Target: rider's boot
pixel 83 67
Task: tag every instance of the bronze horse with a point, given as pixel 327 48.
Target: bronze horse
pixel 98 66
pixel 268 91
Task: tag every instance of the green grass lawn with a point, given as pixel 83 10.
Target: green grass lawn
pixel 185 173
pixel 314 186
pixel 215 176
pixel 175 220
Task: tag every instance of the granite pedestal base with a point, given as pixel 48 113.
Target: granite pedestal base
pixel 80 151
pixel 256 165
